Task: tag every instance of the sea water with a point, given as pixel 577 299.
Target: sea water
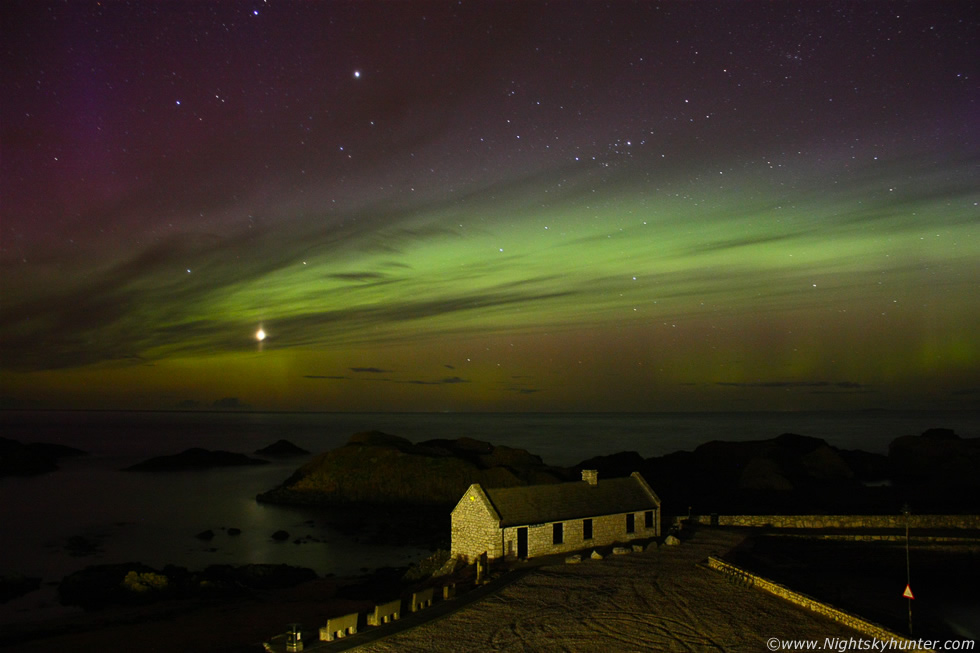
pixel 153 517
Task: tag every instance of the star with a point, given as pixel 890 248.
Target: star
pixel 357 74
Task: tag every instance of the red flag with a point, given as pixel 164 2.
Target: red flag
pixel 908 592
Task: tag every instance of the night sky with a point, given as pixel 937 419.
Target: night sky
pixel 490 206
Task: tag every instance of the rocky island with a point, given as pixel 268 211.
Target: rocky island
pixel 19 459
pixel 282 449
pixel 381 469
pixel 936 471
pixel 194 458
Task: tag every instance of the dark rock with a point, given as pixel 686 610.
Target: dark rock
pixel 205 535
pixel 936 455
pixel 258 576
pixel 17 459
pixel 282 448
pixel 761 473
pixel 195 458
pixel 866 466
pixel 617 465
pixel 12 587
pixel 791 472
pixel 469 448
pixel 381 469
pixel 379 439
pixel 825 462
pixel 280 536
pixel 427 567
pixel 940 434
pixel 79 545
pixel 502 456
pixel 375 586
pixel 135 583
pixel 101 585
pixel 936 471
pixel 54 451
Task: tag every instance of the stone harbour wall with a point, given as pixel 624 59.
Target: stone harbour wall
pixel 739 575
pixel 965 522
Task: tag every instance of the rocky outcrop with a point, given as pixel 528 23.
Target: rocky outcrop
pixel 936 471
pixel 12 587
pixel 195 458
pixel 936 456
pixel 789 472
pixel 132 583
pixel 282 449
pixel 379 468
pixel 18 459
pixel 615 465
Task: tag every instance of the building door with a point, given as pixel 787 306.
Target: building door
pixel 522 543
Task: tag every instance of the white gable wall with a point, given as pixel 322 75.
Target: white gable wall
pixel 475 527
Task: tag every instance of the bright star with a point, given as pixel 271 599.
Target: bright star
pixel 357 74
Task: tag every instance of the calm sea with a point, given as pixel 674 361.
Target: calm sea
pixel 153 518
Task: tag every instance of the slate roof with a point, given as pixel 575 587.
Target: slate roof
pixel 537 504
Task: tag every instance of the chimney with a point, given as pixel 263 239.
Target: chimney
pixel 590 476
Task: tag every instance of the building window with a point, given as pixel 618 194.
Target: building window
pixel 648 519
pixel 558 534
pixel 631 523
pixel 586 529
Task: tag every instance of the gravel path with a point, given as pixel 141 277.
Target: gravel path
pixel 656 601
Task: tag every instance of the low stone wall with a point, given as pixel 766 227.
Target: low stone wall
pixel 965 522
pixel 879 537
pixel 421 599
pixel 739 575
pixel 385 613
pixel 338 627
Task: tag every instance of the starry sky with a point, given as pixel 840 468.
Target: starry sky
pixel 475 206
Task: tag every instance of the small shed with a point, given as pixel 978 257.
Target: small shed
pixel 536 520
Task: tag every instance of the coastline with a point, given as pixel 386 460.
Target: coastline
pixel 307 546
pixel 655 600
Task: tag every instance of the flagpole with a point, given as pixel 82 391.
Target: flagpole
pixel 908 567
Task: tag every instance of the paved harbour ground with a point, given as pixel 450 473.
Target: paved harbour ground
pixel 661 600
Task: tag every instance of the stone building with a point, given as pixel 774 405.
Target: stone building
pixel 536 520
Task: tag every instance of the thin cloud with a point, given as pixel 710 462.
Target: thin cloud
pixel 447 381
pixel 230 403
pixel 357 276
pixel 793 384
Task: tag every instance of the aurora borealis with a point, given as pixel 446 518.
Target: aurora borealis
pixel 489 206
